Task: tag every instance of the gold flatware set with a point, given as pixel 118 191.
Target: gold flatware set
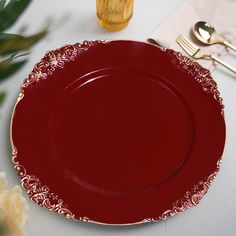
pixel 206 34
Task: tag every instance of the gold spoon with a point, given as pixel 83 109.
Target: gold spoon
pixel 207 34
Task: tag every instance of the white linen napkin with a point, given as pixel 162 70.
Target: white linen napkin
pixel 221 14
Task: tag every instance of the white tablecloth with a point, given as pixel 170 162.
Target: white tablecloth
pixel 216 213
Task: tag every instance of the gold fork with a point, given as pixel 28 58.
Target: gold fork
pixel 197 53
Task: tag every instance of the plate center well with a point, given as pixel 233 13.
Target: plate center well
pixel 117 131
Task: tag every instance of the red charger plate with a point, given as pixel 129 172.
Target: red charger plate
pixel 117 132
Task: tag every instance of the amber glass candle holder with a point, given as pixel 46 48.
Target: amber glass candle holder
pixel 114 14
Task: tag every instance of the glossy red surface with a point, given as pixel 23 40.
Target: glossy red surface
pixel 119 130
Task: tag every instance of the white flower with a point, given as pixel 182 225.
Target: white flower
pixel 13 208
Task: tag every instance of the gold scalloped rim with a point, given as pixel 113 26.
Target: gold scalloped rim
pixel 41 194
pixel 201 75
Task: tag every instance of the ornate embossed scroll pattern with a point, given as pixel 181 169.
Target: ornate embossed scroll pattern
pixel 41 194
pixel 201 75
pixel 56 59
pixel 193 197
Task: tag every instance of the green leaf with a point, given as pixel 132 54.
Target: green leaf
pixel 3 229
pixel 2 98
pixel 2 4
pixel 11 58
pixel 7 67
pixel 14 43
pixel 11 12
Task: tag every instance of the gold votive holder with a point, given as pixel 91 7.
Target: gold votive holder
pixel 114 14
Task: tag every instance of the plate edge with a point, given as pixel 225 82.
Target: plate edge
pixel 41 194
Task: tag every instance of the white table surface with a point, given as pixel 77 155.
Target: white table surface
pixel 216 213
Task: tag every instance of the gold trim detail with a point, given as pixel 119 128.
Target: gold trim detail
pixel 40 193
pixel 201 75
pixel 57 59
pixel 193 197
